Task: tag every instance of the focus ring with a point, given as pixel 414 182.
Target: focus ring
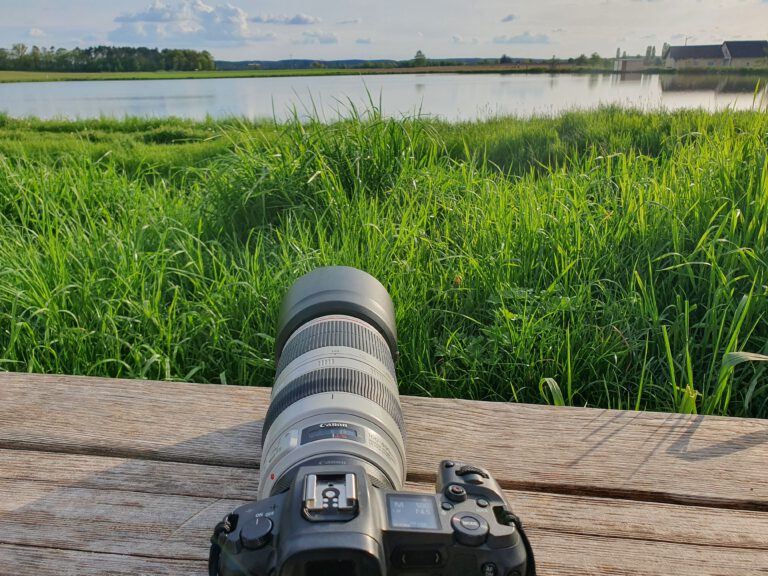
pixel 334 380
pixel 345 333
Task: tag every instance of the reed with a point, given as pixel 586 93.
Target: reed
pixel 610 258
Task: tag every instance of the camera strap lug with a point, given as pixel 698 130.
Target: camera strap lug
pixel 511 519
pixel 222 528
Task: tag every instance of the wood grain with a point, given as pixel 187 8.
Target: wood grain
pixel 670 458
pixel 100 505
pixel 108 473
pixel 566 554
pixel 78 479
pixel 557 555
pixel 711 462
pixel 19 560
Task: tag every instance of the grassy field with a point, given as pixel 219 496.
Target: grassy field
pixel 21 76
pixel 610 258
pixel 7 76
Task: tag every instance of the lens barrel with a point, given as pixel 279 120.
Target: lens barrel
pixel 335 398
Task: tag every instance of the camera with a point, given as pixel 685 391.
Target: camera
pixel 330 499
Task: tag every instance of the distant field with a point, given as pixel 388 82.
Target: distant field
pixel 12 76
pixel 609 258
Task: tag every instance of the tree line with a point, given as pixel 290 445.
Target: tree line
pixel 102 59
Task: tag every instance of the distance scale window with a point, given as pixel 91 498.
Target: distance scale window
pixel 332 430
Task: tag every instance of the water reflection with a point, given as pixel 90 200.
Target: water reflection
pixel 719 84
pixel 630 77
pixel 448 96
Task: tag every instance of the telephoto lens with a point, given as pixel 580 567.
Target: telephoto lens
pixel 335 398
pixel 330 499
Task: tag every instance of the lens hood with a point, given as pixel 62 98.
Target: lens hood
pixel 337 290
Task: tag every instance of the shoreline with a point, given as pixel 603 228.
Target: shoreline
pixel 12 76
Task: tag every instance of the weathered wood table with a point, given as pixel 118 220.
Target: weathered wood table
pixel 129 477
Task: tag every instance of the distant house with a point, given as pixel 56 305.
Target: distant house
pixel 706 56
pixel 746 54
pixel 736 53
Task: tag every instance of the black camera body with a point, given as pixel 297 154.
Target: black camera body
pixel 333 521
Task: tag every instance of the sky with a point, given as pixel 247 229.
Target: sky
pixel 369 29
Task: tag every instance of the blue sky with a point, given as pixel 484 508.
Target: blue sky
pixel 275 29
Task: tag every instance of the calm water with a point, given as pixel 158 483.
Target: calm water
pixel 448 96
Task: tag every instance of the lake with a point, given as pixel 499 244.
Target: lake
pixel 448 96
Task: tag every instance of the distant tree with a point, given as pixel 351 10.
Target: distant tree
pixel 419 59
pixel 19 50
pixel 103 59
pixel 35 57
pixel 595 59
pixel 505 59
pixel 650 54
pixel 581 60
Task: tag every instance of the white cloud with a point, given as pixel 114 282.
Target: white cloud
pixel 525 38
pixel 458 39
pixel 36 33
pixel 297 20
pixel 158 11
pixel 188 22
pixel 318 37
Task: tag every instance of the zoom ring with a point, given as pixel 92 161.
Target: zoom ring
pixel 334 380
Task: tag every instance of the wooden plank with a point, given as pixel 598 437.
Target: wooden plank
pixel 570 554
pixel 133 418
pixel 20 560
pixel 674 458
pixel 557 555
pixel 108 521
pixel 150 476
pixel 103 509
pixel 638 456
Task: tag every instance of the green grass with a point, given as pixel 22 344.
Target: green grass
pixel 609 258
pixel 24 76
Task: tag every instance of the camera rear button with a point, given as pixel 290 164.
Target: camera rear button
pixel 456 493
pixel 469 529
pixel 256 533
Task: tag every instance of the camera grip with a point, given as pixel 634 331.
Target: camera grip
pixel 460 481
